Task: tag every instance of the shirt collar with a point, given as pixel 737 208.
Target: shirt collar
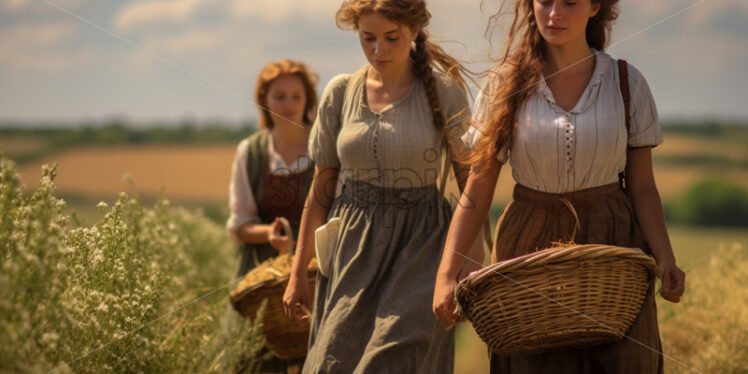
pixel 602 65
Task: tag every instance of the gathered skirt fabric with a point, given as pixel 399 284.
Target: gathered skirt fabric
pixel 536 220
pixel 373 314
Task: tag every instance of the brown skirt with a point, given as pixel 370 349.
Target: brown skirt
pixel 536 220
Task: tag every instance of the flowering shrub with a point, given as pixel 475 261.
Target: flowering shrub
pixel 143 290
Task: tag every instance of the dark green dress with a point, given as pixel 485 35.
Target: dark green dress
pixel 275 196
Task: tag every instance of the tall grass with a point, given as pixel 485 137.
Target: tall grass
pixel 708 330
pixel 117 295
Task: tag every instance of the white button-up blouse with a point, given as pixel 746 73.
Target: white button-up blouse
pixel 556 151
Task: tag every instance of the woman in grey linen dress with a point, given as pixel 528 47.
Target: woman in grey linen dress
pixel 383 128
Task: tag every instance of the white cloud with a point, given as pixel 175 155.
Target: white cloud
pixel 146 12
pixel 277 11
pixel 41 6
pixel 686 13
pixel 39 61
pixel 708 11
pixel 41 47
pixel 193 41
pixel 26 35
pixel 12 4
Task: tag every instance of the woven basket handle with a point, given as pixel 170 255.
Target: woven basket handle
pixel 289 233
pixel 576 217
pixel 461 295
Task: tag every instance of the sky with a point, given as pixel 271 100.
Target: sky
pixel 73 61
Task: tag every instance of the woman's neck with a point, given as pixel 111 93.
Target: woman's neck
pixel 573 56
pixel 290 136
pixel 395 77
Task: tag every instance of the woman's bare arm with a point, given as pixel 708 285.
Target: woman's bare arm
pixel 464 228
pixel 476 254
pixel 317 207
pixel 253 233
pixel 649 213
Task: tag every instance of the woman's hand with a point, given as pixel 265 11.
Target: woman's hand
pixel 673 280
pixel 444 305
pixel 276 240
pixel 296 300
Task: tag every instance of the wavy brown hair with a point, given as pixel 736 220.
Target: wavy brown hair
pixel 270 73
pixel 518 72
pixel 426 55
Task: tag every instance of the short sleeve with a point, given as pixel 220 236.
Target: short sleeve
pixel 324 133
pixel 480 116
pixel 456 110
pixel 242 204
pixel 645 128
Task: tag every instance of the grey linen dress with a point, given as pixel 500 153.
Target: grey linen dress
pixel 373 314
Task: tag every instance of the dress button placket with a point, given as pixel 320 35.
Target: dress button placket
pixel 375 142
pixel 569 142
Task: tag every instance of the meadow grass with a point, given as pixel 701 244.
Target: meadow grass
pixel 143 289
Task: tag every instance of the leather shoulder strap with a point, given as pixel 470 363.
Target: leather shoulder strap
pixel 623 74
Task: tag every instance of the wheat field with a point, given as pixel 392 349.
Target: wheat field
pixel 202 172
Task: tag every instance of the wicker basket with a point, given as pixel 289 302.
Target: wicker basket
pixel 557 298
pixel 287 339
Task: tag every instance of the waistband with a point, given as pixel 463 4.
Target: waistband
pixel 583 200
pixel 584 197
pixel 367 193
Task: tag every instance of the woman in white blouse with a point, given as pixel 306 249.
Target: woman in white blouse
pixel 555 108
pixel 272 171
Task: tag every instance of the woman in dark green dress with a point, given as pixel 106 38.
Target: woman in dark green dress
pixel 272 171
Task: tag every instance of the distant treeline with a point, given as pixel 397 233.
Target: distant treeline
pixel 707 128
pixel 56 138
pixel 710 202
pixel 121 133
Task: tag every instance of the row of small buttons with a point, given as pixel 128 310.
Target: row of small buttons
pixel 376 141
pixel 569 143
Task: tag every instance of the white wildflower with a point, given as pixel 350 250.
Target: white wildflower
pixel 66 249
pixel 50 339
pixel 98 256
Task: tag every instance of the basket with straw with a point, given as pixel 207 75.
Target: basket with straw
pixel 558 298
pixel 285 338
